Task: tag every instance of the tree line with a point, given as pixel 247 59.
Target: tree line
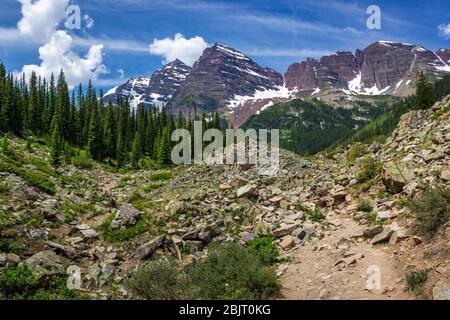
pixel 110 132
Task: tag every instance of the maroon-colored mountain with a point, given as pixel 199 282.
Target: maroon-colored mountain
pixel 220 74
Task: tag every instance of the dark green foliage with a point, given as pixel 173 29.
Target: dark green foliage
pixel 17 280
pixel 416 280
pixel 231 272
pixel 369 170
pixel 357 150
pixel 424 93
pixel 307 127
pixel 117 134
pixel 161 176
pixel 432 210
pixel 265 249
pixel 120 235
pixel 161 279
pixel 364 206
pixel 82 160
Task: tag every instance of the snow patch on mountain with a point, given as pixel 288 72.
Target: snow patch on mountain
pixel 280 92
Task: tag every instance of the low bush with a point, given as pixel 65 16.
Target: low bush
pixel 357 150
pixel 369 170
pixel 416 280
pixel 161 279
pixel 432 210
pixel 265 249
pixel 364 206
pixel 229 272
pixel 232 272
pixel 82 160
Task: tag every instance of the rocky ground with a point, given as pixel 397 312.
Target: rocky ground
pixel 338 218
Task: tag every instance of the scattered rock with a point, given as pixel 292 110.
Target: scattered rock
pixel 45 264
pixel 147 249
pixel 384 236
pixel 285 230
pixel 126 216
pixel 246 191
pixel 372 231
pixel 441 291
pixel 396 175
pixel 287 243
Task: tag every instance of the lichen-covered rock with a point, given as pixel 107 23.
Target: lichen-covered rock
pixel 396 175
pixel 126 216
pixel 45 264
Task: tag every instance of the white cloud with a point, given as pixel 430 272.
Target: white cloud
pixel 41 18
pixel 444 30
pixel 187 50
pixel 58 54
pixel 9 34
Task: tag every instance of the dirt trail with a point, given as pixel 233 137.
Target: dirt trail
pixel 314 271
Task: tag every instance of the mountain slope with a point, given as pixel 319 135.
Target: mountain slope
pixel 311 126
pixel 157 90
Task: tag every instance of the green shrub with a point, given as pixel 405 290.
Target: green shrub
pixel 70 210
pixel 265 249
pixel 369 170
pixel 39 180
pixel 315 215
pixel 4 189
pixel 440 113
pixel 152 187
pixel 41 165
pixel 364 206
pixel 123 182
pixel 233 272
pixel 161 176
pixel 83 161
pixel 161 279
pixel 357 150
pixel 432 210
pixel 17 280
pixel 416 280
pixel 120 235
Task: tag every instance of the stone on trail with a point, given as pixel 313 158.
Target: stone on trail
pixel 126 216
pixel 384 236
pixel 149 248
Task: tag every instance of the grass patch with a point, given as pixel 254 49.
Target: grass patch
pixel 432 210
pixel 121 235
pixel 123 182
pixel 440 113
pixel 5 189
pixel 153 186
pixel 161 176
pixel 70 210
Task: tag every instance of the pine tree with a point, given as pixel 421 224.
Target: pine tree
pixel 95 141
pixel 424 93
pixel 110 132
pixel 33 108
pixel 136 152
pixel 164 148
pixel 56 141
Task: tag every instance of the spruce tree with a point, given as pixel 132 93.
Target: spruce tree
pixel 424 93
pixel 95 145
pixel 110 132
pixel 56 141
pixel 33 107
pixel 164 148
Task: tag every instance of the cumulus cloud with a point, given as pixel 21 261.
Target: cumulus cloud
pixel 41 18
pixel 187 50
pixel 444 30
pixel 58 54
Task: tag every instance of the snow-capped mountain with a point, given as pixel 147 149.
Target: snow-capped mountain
pixel 221 75
pixel 224 79
pixel 157 90
pixel 384 67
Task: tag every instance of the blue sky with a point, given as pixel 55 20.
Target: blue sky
pixel 274 33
